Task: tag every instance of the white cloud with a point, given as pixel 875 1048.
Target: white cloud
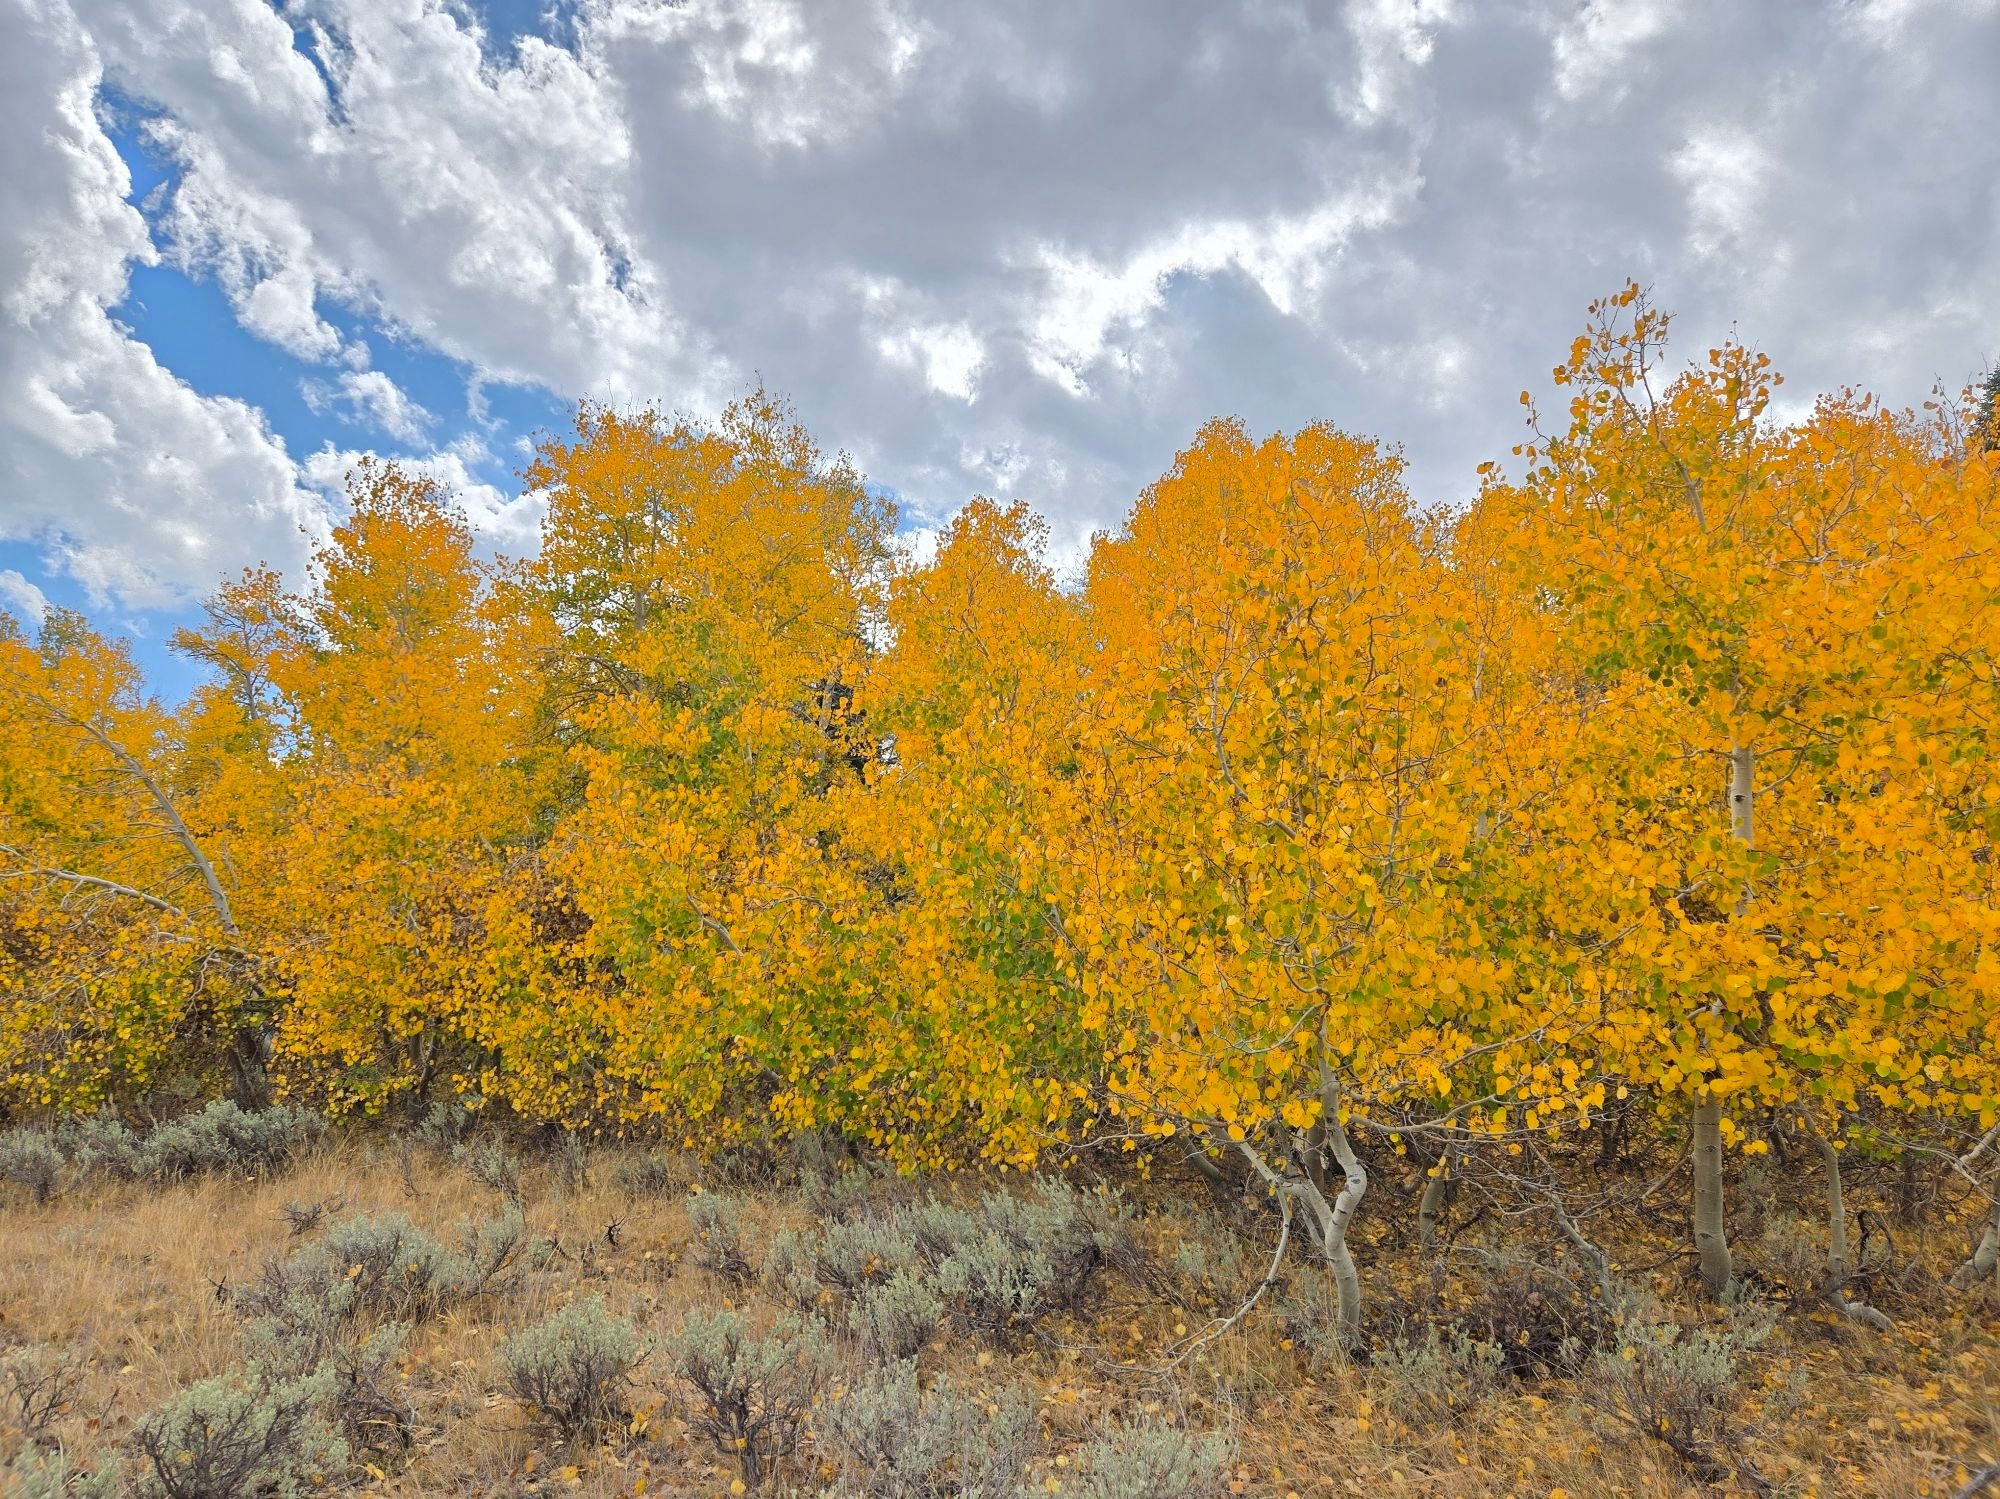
pixel 1725 172
pixel 140 488
pixel 26 601
pixel 1287 258
pixel 1604 34
pixel 509 524
pixel 949 357
pixel 1393 40
pixel 1025 246
pixel 373 398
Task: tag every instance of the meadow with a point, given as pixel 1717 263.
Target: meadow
pixel 540 1316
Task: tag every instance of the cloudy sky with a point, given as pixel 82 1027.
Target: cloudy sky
pixel 1018 247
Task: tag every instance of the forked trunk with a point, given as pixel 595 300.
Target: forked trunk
pixel 1339 1258
pixel 1838 1266
pixel 1328 1221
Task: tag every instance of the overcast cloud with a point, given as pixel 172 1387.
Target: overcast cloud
pixel 1018 248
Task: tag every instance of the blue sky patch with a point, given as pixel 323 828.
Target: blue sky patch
pixel 188 323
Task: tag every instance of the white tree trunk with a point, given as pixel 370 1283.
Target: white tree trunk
pixel 1339 1258
pixel 1985 1261
pixel 1838 1266
pixel 1743 805
pixel 1711 1237
pixel 1710 1240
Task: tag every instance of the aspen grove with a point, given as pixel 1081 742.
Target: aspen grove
pixel 1651 795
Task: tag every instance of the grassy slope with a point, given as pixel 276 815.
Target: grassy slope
pixel 126 1277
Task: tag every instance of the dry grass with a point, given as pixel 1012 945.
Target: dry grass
pixel 134 1282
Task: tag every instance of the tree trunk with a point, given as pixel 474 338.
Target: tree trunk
pixel 250 1068
pixel 1838 1265
pixel 1432 1202
pixel 1910 1189
pixel 1710 1239
pixel 1339 1258
pixel 1314 1157
pixel 1611 1138
pixel 1329 1220
pixel 1985 1261
pixel 1743 806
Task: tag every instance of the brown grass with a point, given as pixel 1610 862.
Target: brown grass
pixel 133 1281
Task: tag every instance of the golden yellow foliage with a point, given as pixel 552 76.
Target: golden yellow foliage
pixel 1661 773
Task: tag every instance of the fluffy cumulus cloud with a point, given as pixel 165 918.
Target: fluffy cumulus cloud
pixel 1019 248
pixel 508 523
pixel 371 398
pixel 22 598
pixel 135 481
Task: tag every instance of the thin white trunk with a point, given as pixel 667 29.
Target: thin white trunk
pixel 179 829
pixel 1711 1242
pixel 250 1046
pixel 1590 1249
pixel 1330 1221
pixel 1743 806
pixel 1838 1266
pixel 1985 1261
pixel 1339 1258
pixel 1711 1237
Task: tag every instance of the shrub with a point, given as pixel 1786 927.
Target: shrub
pixel 816 1156
pixel 365 1406
pixel 1013 1260
pixel 835 1183
pixel 1311 1313
pixel 492 1165
pixel 1678 1386
pixel 378 1268
pixel 31 1160
pixel 574 1368
pixel 748 1163
pixel 846 1258
pixel 889 1440
pixel 840 1197
pixel 753 1392
pixel 1544 1322
pixel 102 1143
pixel 1437 1373
pixel 223 1137
pixel 307 1217
pixel 313 1311
pixel 569 1153
pixel 446 1125
pixel 894 1319
pixel 718 1237
pixel 220 1440
pixel 38 1474
pixel 790 1272
pixel 1016 1259
pixel 37 1387
pixel 1208 1264
pixel 1153 1461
